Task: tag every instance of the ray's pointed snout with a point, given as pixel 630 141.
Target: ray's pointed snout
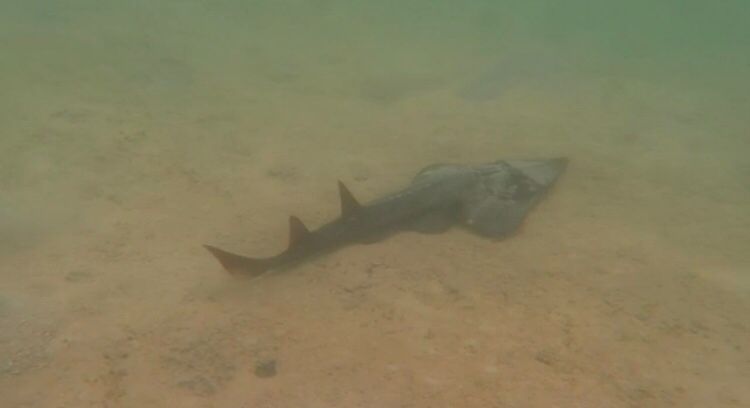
pixel 560 162
pixel 545 171
pixel 550 170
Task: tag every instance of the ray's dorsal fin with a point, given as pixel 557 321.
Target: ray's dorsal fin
pixel 297 231
pixel 349 205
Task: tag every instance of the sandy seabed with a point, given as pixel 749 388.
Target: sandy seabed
pixel 628 287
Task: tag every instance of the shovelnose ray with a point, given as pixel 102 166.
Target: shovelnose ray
pixel 489 199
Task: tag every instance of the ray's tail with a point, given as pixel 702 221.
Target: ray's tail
pixel 238 264
pixel 299 236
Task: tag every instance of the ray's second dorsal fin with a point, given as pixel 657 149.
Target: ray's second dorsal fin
pixel 349 205
pixel 297 231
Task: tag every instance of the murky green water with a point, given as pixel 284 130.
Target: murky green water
pixel 132 132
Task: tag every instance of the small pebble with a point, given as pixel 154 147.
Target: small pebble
pixel 77 276
pixel 265 369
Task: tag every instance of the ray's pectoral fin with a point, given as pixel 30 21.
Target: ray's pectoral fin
pixel 375 238
pixel 434 222
pixel 493 217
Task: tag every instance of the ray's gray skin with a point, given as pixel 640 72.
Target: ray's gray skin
pixel 490 200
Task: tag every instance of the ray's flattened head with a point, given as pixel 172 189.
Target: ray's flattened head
pixel 499 204
pixel 439 171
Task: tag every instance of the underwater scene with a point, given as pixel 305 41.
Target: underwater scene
pixel 330 203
